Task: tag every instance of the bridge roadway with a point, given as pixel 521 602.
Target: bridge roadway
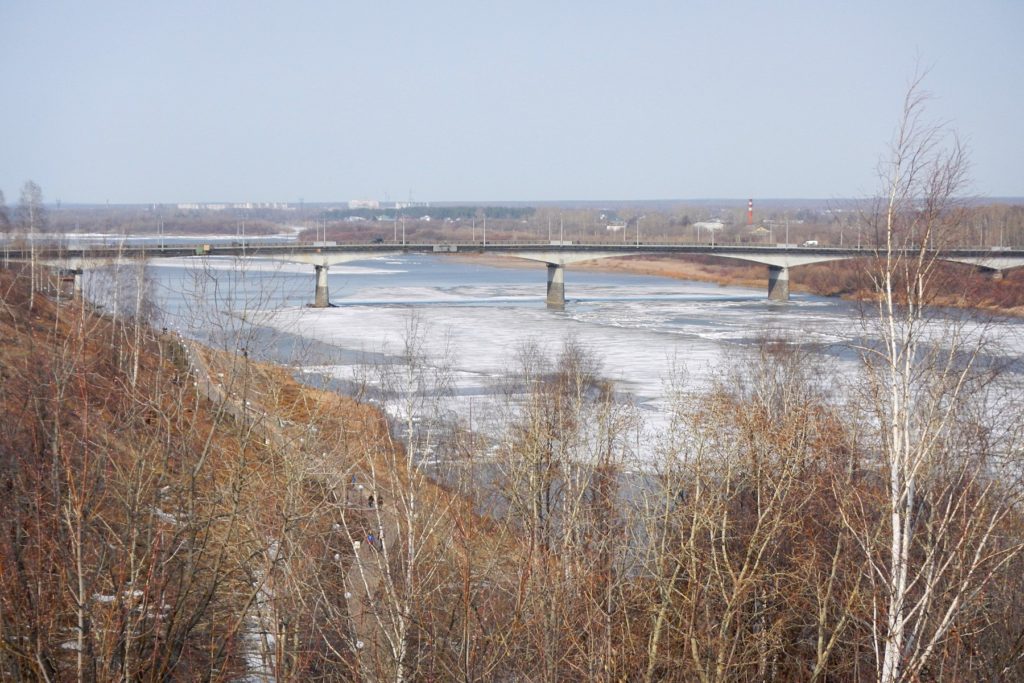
pixel 555 255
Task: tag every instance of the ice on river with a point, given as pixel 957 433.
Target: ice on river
pixel 641 329
pixel 236 264
pixel 644 331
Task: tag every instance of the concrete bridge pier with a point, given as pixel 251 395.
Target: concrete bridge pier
pixel 321 299
pixel 778 283
pixel 991 273
pixel 72 277
pixel 556 286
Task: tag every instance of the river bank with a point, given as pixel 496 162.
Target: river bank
pixel 696 270
pixel 1004 296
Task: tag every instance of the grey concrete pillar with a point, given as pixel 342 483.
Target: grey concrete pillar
pixel 995 274
pixel 322 297
pixel 76 286
pixel 778 283
pixel 556 286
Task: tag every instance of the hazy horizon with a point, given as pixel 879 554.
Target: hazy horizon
pixel 531 102
pixel 724 202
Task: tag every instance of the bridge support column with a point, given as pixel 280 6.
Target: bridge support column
pixel 70 278
pixel 556 286
pixel 993 273
pixel 778 283
pixel 322 297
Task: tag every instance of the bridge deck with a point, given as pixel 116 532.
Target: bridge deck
pixel 257 249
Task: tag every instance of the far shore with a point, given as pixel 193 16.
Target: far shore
pixel 726 275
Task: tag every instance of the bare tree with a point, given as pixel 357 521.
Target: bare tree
pixel 565 439
pixel 31 212
pixel 31 218
pixel 743 550
pixel 950 480
pixel 5 219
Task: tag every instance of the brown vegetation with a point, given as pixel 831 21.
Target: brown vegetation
pixel 202 517
pixel 846 279
pixel 144 522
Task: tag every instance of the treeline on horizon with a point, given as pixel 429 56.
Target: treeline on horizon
pixel 436 212
pixel 837 222
pixel 32 215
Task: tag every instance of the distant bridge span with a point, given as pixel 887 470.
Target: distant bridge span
pixel 556 255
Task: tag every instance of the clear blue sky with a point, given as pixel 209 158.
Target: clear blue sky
pixel 489 101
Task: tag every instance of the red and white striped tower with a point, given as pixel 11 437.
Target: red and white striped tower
pixel 750 212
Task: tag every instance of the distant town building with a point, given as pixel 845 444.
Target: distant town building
pixel 263 206
pixel 202 207
pixel 363 204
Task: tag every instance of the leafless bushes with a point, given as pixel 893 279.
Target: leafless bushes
pixel 152 531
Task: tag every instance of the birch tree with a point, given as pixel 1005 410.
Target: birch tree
pixel 5 220
pixel 31 219
pixel 949 474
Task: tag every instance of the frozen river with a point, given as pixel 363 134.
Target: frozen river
pixel 642 329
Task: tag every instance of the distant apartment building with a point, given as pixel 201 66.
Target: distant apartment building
pixel 263 206
pixel 363 204
pixel 278 206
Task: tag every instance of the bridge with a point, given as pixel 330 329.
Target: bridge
pixel 555 255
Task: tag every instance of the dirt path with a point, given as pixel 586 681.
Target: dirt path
pixel 365 571
pixel 371 625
